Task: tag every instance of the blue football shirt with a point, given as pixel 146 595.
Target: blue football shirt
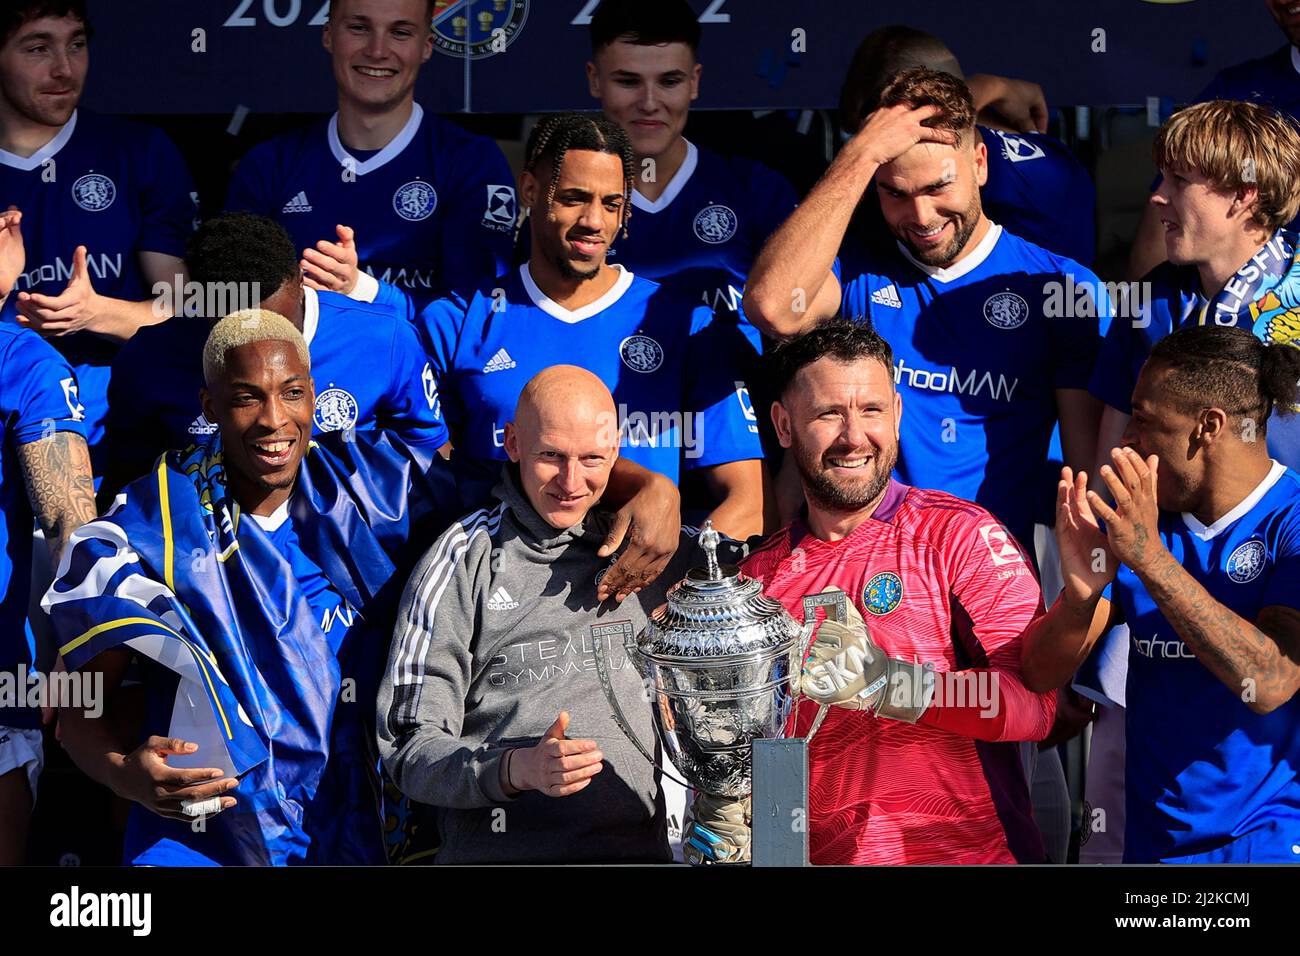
pixel 1208 780
pixel 434 210
pixel 38 396
pixel 368 364
pixel 118 188
pixel 682 400
pixel 979 350
pixel 703 233
pixel 1176 300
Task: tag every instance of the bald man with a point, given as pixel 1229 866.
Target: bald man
pixel 491 709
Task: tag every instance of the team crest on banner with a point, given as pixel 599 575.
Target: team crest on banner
pixel 715 224
pixel 93 192
pixel 477 28
pixel 1006 310
pixel 1247 562
pixel 336 410
pixel 882 593
pixel 415 201
pixel 641 353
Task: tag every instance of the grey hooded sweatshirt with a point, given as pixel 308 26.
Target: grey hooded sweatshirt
pixel 494 638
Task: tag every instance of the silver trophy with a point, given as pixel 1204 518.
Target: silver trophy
pixel 721 663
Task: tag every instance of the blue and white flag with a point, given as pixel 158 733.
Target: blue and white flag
pixel 174 573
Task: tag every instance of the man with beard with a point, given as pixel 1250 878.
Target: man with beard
pixel 918 762
pixel 256 578
pixel 994 337
pixel 107 203
pixel 682 401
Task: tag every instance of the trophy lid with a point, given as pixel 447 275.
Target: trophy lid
pixel 716 612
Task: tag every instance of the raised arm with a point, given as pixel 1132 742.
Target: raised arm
pixel 792 286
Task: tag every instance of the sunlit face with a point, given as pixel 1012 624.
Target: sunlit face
pixel 1160 426
pixel 1198 217
pixel 378 47
pixel 574 231
pixel 647 90
pixel 43 69
pixel 263 407
pixel 840 420
pixel 1287 15
pixel 564 459
pixel 930 198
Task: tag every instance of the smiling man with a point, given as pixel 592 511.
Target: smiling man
pixel 107 202
pixel 994 337
pixel 491 708
pixel 1227 192
pixel 256 577
pixel 904 769
pixel 674 372
pixel 432 206
pixel 701 218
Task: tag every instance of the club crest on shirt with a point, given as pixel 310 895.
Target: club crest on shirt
pixel 715 224
pixel 1006 310
pixel 641 353
pixel 336 410
pixel 93 192
pixel 462 28
pixel 415 201
pixel 882 593
pixel 1246 561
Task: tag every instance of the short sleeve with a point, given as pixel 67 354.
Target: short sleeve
pixel 251 186
pixel 412 407
pixel 479 228
pixel 38 391
pixel 717 396
pixel 169 203
pixel 438 328
pixel 1284 579
pixel 1077 330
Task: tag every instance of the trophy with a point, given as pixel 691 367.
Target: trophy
pixel 721 664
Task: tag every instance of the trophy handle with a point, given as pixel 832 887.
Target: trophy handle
pixel 806 638
pixel 606 685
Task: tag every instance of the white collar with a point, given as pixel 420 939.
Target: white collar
pixel 28 163
pixel 1206 533
pixel 557 311
pixel 971 261
pixel 275 519
pixel 675 185
pixel 1295 59
pixel 385 155
pixel 310 313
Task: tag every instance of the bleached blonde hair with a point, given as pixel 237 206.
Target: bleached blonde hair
pixel 244 328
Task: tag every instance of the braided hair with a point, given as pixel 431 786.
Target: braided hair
pixel 1230 368
pixel 557 133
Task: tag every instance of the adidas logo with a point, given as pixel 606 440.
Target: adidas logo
pixel 499 362
pixel 201 426
pixel 887 296
pixel 298 203
pixel 502 601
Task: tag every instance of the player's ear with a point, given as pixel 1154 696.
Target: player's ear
pixel 209 409
pixel 1244 200
pixel 512 442
pixel 528 187
pixel 593 80
pixel 695 80
pixel 898 413
pixel 781 422
pixel 981 162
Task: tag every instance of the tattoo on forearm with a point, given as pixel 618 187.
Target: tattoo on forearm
pixel 1234 649
pixel 59 485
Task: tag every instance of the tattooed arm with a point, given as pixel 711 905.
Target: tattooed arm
pixel 60 486
pixel 1259 660
pixel 1262 657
